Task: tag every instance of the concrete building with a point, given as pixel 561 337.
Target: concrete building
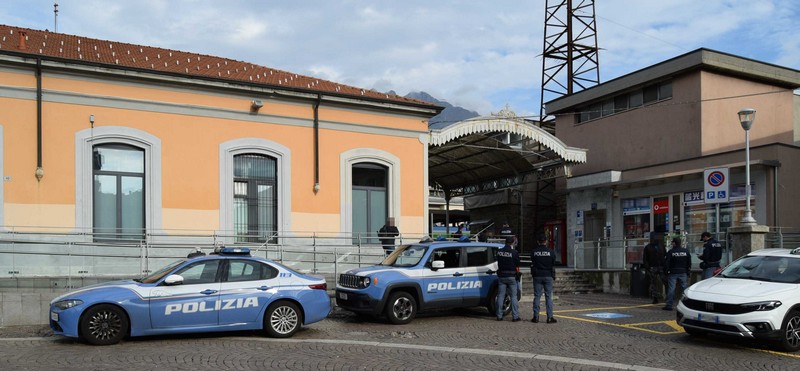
pixel 651 135
pixel 112 141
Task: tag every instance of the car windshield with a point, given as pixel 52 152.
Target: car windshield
pixel 765 268
pixel 157 275
pixel 405 256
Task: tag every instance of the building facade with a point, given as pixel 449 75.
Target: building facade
pixel 130 142
pixel 654 136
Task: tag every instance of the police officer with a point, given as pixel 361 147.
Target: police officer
pixel 711 256
pixel 507 267
pixel 678 264
pixel 653 259
pixel 543 262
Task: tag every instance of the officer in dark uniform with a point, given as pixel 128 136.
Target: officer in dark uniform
pixel 507 267
pixel 543 262
pixel 678 264
pixel 653 259
pixel 711 256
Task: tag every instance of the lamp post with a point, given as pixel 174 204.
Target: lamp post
pixel 746 118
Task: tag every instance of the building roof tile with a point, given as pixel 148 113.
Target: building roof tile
pixel 20 40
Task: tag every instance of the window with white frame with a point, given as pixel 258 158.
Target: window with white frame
pixel 118 197
pixel 117 183
pixel 255 190
pixel 255 194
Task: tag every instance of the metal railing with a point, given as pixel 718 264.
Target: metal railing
pixel 50 253
pixel 621 254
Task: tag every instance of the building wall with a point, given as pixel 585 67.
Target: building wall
pixel 662 149
pixel 723 97
pixel 190 123
pixel 661 132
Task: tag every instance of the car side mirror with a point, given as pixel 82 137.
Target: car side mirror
pixel 437 264
pixel 173 279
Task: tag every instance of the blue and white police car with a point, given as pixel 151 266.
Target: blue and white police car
pixel 228 290
pixel 423 276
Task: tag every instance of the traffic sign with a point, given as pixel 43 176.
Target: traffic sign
pixel 717 186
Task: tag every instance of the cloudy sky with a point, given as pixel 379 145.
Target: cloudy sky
pixel 478 54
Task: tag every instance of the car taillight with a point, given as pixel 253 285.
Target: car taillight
pixel 319 286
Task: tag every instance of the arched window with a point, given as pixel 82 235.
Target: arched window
pixel 255 189
pixel 255 194
pixel 118 196
pixel 131 157
pixel 370 202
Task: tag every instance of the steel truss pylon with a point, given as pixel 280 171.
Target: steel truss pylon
pixel 570 54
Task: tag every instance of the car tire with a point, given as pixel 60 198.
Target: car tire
pixel 401 308
pixel 104 324
pixel 282 319
pixel 492 305
pixel 790 332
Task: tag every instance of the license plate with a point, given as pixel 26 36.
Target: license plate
pixel 343 295
pixel 54 316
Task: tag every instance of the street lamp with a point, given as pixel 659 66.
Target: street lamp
pixel 746 118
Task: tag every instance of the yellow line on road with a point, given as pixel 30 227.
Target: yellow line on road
pixel 606 308
pixel 628 326
pixel 671 323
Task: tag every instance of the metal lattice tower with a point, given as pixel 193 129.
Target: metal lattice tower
pixel 569 56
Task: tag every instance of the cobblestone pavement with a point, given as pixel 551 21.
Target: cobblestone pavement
pixel 594 332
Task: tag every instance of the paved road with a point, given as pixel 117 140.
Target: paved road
pixel 594 332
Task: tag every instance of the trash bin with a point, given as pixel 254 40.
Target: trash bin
pixel 639 284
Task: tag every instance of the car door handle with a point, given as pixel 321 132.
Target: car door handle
pixel 458 274
pixel 264 288
pixel 208 292
pixel 490 271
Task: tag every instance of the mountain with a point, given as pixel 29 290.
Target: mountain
pixel 450 114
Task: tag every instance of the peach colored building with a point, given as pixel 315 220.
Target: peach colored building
pixel 652 134
pixel 132 141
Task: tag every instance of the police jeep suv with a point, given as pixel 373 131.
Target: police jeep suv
pixel 422 277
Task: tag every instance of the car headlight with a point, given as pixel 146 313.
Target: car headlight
pixel 363 282
pixel 66 304
pixel 762 305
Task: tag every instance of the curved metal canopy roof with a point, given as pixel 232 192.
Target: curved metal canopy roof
pixel 495 152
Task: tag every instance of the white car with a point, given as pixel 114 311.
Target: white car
pixel 756 296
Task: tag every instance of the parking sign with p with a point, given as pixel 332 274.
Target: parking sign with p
pixel 716 188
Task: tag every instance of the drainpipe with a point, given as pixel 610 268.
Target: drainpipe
pixel 39 170
pixel 316 142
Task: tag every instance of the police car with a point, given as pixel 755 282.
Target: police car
pixel 228 290
pixel 756 296
pixel 423 276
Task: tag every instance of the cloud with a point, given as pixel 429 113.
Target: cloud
pixel 478 54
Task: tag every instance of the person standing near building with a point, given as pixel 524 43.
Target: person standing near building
pixel 711 256
pixel 507 267
pixel 543 261
pixel 387 233
pixel 678 264
pixel 506 230
pixel 653 260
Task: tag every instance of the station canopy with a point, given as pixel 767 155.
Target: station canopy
pixel 494 152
